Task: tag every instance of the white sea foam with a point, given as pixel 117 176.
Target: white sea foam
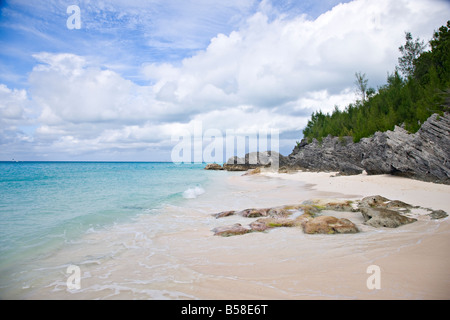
pixel 193 193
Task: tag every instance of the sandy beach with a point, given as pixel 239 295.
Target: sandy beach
pixel 175 255
pixel 287 264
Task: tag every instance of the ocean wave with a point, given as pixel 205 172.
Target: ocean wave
pixel 193 193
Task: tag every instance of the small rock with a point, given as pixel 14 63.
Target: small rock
pixel 398 204
pixel 259 225
pixel 280 211
pixel 329 225
pixel 213 166
pixel 277 222
pixel 253 172
pixel 224 214
pixel 253 213
pixel 438 214
pixel 303 219
pixel 233 230
pixel 373 201
pixel 339 206
pixel 381 217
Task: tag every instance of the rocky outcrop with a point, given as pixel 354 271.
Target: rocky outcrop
pixel 379 211
pixel 305 216
pixel 309 216
pixel 424 155
pixel 381 217
pixel 213 166
pixel 253 160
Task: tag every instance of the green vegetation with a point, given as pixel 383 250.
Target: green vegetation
pixel 419 87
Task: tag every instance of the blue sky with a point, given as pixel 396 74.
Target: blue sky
pixel 122 35
pixel 138 72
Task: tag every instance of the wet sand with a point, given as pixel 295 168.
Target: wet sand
pixel 174 254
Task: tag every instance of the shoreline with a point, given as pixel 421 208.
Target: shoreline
pixel 415 192
pixel 175 255
pixel 413 259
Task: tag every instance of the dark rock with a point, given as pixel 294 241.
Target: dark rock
pixel 349 169
pixel 438 214
pixel 424 155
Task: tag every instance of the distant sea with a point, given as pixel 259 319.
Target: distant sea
pixel 46 205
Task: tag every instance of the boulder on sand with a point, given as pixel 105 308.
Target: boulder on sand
pixel 329 225
pixel 213 166
pixel 381 217
pixel 233 230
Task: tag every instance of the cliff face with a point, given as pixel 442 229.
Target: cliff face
pixel 424 155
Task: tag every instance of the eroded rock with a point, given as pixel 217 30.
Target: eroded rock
pixel 438 214
pixel 213 166
pixel 423 155
pixel 382 217
pixel 377 211
pixel 233 230
pixel 270 222
pixel 329 225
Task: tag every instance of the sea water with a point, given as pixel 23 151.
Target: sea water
pixel 46 206
pixel 145 231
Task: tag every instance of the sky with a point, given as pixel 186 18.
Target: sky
pixel 139 76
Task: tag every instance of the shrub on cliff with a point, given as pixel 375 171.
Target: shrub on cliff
pixel 407 101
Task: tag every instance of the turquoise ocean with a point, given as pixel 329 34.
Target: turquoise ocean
pixel 46 205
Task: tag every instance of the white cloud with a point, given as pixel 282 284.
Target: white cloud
pixel 12 104
pixel 71 91
pixel 269 64
pixel 271 72
pixel 14 113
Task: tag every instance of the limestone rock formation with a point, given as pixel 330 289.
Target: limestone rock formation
pixel 424 155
